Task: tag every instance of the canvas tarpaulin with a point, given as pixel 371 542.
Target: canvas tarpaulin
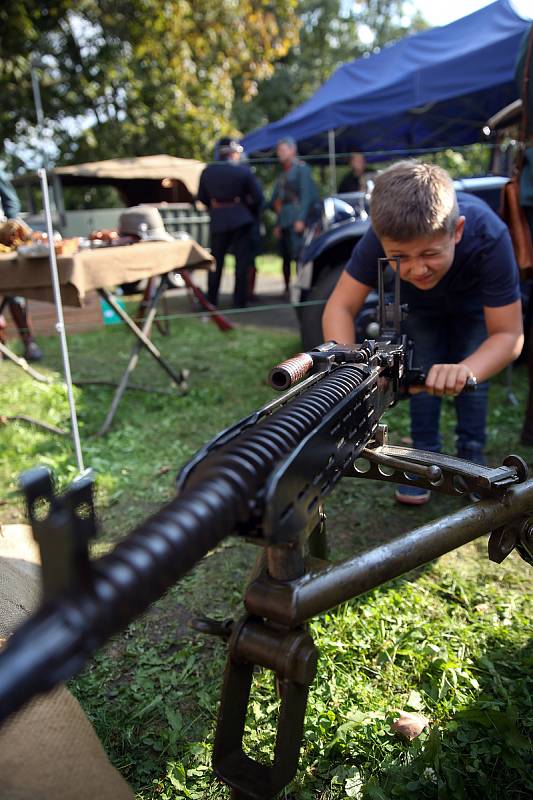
pixel 434 89
pixel 186 170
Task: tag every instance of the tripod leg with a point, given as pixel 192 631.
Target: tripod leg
pixel 292 656
pixel 142 335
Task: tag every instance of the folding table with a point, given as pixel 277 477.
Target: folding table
pixel 91 270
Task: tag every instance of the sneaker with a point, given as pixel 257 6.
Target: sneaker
pixel 32 352
pixel 412 495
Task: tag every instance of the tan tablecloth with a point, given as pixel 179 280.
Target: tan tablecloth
pixel 96 269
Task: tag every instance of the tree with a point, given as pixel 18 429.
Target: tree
pixel 23 25
pixel 331 34
pixel 136 77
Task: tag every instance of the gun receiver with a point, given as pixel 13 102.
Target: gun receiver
pixel 391 350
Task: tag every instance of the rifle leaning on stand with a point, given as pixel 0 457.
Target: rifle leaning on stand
pixel 265 479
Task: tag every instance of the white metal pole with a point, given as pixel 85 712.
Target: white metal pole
pixel 39 113
pixel 60 325
pixel 332 162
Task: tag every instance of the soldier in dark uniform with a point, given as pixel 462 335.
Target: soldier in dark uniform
pixel 233 195
pixel 354 180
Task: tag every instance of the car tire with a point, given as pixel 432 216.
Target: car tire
pixel 310 317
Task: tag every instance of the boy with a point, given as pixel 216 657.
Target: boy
pixel 460 280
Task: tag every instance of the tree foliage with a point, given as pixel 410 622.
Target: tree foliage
pixel 136 77
pixel 332 33
pixel 149 76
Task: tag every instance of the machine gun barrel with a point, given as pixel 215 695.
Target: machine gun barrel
pixel 54 644
pixel 289 372
pixel 220 494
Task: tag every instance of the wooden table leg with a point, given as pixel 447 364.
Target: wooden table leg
pixel 23 364
pixel 142 336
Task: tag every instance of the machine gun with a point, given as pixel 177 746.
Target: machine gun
pixel 265 479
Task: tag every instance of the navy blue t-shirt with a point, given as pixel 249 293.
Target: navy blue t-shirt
pixel 483 273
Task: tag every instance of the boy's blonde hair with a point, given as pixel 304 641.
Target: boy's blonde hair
pixel 411 200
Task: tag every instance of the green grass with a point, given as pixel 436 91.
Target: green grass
pixel 267 264
pixel 451 640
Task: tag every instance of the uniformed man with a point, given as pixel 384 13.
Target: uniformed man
pixel 294 195
pixel 233 196
pixel 354 180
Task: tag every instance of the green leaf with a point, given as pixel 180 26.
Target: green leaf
pixel 501 721
pixel 415 701
pixel 142 712
pixel 174 719
pixel 354 785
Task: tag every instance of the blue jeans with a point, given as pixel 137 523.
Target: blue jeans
pixel 442 337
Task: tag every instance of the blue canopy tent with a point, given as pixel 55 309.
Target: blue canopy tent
pixel 434 89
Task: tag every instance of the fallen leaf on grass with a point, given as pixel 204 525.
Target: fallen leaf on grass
pixel 164 469
pixel 415 701
pixel 409 725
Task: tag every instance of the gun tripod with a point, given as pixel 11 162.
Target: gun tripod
pixel 295 582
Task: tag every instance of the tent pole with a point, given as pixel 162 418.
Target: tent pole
pixel 332 162
pixel 60 325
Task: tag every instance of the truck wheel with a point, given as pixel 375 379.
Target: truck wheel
pixel 310 317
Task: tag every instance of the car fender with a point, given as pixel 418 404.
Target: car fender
pixel 315 255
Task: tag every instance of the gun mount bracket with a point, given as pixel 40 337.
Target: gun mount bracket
pixel 516 536
pixel 430 472
pixel 62 526
pixel 292 655
pixel 436 471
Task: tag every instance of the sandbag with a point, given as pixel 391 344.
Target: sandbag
pixel 48 750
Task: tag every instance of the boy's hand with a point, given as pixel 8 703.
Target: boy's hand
pixel 445 379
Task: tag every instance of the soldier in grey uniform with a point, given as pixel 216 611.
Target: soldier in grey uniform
pixel 295 193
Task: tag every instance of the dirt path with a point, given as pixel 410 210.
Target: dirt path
pixel 272 310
